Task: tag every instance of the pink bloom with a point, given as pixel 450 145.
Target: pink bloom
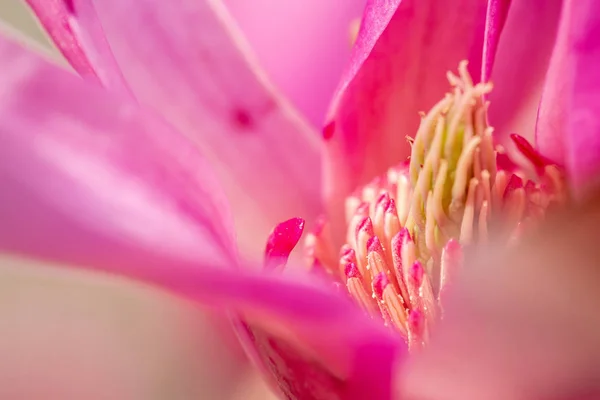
pixel 114 173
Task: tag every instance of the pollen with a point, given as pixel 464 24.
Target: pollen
pixel 406 230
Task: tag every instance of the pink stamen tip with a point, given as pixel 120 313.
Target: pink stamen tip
pixel 351 271
pixel 366 225
pixel 346 250
pixel 374 245
pixel 538 160
pixel 329 130
pixel 349 257
pixel 282 241
pixel 363 209
pixel 416 273
pixel 376 181
pixel 380 282
pixel 530 187
pixel 415 321
pixel 514 183
pixel 453 248
pixel 320 224
pixel 397 242
pixel 383 200
pixel 504 162
pixel 391 208
pixel 405 235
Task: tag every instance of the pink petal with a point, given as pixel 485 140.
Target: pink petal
pixel 87 177
pixel 182 60
pixel 91 181
pixel 303 45
pixel 398 68
pixel 54 15
pixel 522 322
pixel 581 24
pixel 305 370
pixel 520 66
pixel 497 12
pixel 568 123
pixel 86 50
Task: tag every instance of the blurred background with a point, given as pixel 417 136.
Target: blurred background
pixel 18 16
pixel 76 336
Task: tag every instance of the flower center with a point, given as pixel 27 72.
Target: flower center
pixel 406 230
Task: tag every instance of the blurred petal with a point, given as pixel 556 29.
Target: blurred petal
pixel 398 68
pixel 569 124
pixel 523 323
pixel 303 45
pixel 308 369
pixel 54 15
pixel 520 67
pixel 88 177
pixel 89 184
pixel 185 61
pixel 86 50
pixel 497 12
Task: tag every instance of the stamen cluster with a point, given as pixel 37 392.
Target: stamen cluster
pixel 406 230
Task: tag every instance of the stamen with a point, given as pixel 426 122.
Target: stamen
pixel 390 302
pixel 354 283
pixel 452 260
pixel 405 229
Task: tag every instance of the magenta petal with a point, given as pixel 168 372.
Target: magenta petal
pixel 303 45
pixel 398 68
pixel 85 49
pixel 568 125
pixel 184 61
pixel 311 321
pixel 581 25
pixel 497 12
pixel 520 66
pixel 90 179
pixel 55 17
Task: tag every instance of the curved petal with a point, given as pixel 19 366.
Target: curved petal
pixel 510 332
pixel 184 60
pixel 583 111
pixel 568 125
pixel 90 182
pixel 398 68
pixel 528 35
pixel 495 19
pixel 88 176
pixel 304 372
pixel 86 50
pixel 303 45
pixel 54 15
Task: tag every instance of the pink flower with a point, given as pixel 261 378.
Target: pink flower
pixel 114 173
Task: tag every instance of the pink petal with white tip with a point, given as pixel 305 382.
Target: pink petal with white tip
pixel 92 182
